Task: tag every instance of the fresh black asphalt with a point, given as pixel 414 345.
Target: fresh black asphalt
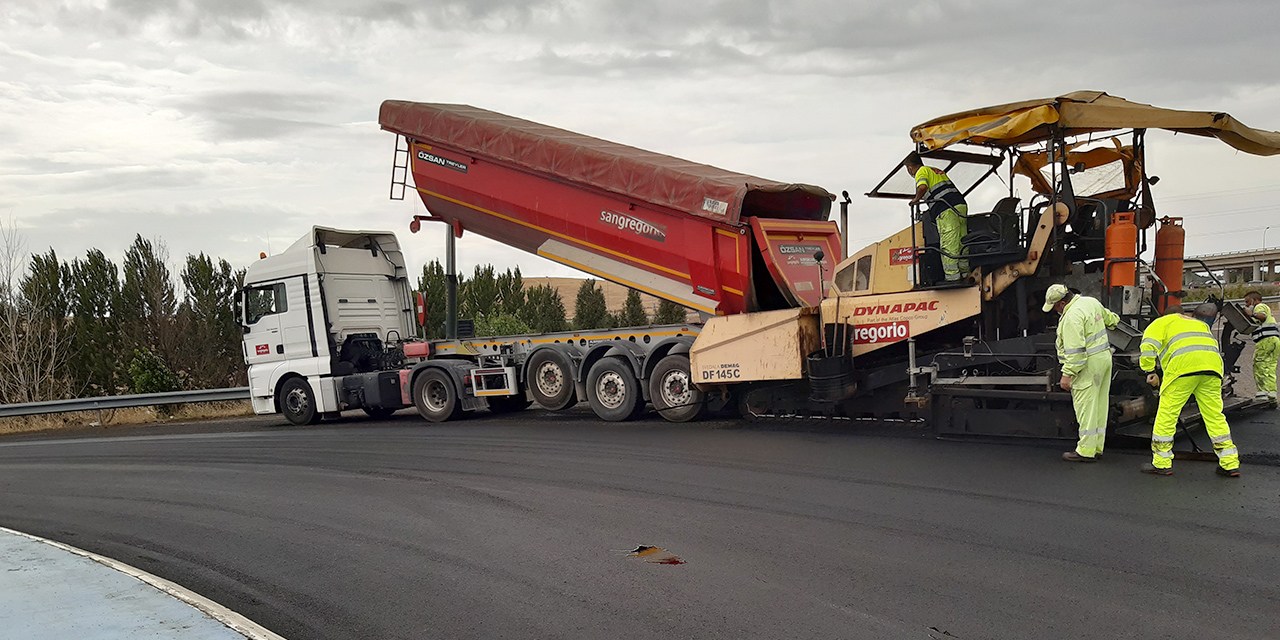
pixel 518 527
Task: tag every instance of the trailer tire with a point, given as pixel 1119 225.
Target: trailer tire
pixel 612 389
pixel 672 392
pixel 508 404
pixel 297 402
pixel 550 380
pixel 435 396
pixel 378 413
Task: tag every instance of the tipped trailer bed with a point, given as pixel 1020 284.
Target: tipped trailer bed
pixel 712 240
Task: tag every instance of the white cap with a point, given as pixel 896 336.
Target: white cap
pixel 1055 293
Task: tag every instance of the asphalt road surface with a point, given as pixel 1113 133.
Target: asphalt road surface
pixel 518 527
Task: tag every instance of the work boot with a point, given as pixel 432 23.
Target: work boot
pixel 1154 470
pixel 1072 456
pixel 1230 473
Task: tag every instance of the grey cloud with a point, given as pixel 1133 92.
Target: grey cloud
pixel 246 115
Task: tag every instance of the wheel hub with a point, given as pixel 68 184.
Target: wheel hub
pixel 550 379
pixel 435 395
pixel 676 390
pixel 611 390
pixel 296 401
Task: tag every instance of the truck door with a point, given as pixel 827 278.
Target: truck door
pixel 263 306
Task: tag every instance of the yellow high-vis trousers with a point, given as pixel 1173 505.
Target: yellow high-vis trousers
pixel 951 228
pixel 1091 398
pixel 1264 365
pixel 1208 393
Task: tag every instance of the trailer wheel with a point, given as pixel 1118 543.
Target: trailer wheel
pixel 612 389
pixel 672 391
pixel 378 413
pixel 297 402
pixel 508 404
pixel 550 380
pixel 435 396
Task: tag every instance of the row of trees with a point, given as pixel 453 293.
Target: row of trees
pixel 89 327
pixel 500 305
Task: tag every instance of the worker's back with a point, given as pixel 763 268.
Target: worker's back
pixel 1183 345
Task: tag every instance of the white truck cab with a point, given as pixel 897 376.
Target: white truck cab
pixel 334 304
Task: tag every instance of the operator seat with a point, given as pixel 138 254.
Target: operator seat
pixel 994 238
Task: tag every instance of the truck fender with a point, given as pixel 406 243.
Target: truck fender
pixel 632 352
pixel 457 370
pixel 572 355
pixel 664 348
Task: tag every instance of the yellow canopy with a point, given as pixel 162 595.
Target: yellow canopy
pixel 1084 112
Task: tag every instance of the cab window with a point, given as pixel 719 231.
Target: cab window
pixel 264 301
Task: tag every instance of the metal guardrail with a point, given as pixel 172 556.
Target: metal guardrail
pixel 123 402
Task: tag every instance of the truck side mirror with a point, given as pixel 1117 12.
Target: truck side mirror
pixel 420 307
pixel 238 305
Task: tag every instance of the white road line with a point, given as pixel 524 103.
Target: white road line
pixel 234 621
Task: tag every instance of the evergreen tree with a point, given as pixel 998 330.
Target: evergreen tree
pixel 590 310
pixel 148 300
pixel 211 353
pixel 543 309
pixel 670 313
pixel 478 296
pixel 94 293
pixel 433 285
pixel 633 314
pixel 511 296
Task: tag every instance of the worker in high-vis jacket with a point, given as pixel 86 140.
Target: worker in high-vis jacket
pixel 1084 350
pixel 1181 344
pixel 1266 347
pixel 947 211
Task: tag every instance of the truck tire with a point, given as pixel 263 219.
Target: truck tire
pixel 612 389
pixel 378 413
pixel 550 380
pixel 672 392
pixel 297 402
pixel 508 404
pixel 435 396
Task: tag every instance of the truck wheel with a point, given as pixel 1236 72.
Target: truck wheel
pixel 435 396
pixel 550 380
pixel 612 389
pixel 672 391
pixel 297 402
pixel 378 413
pixel 508 404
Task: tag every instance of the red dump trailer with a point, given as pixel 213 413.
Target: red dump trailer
pixel 713 240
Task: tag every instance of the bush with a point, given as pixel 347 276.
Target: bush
pixel 150 374
pixel 503 324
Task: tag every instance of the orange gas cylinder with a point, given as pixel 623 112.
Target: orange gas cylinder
pixel 1170 239
pixel 1121 266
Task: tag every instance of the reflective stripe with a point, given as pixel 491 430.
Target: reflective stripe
pixel 1098 349
pixel 1192 347
pixel 1228 452
pixel 1163 454
pixel 1156 438
pixel 1185 334
pixel 1150 342
pixel 1073 350
pixel 1219 439
pixel 1100 334
pixel 1090 432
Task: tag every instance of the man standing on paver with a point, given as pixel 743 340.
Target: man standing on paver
pixel 947 211
pixel 1184 348
pixel 1266 347
pixel 1084 351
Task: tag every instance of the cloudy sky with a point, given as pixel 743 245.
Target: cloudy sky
pixel 231 126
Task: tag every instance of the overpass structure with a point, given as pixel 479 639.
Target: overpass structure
pixel 1256 265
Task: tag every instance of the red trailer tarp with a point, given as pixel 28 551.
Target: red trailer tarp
pixel 696 189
